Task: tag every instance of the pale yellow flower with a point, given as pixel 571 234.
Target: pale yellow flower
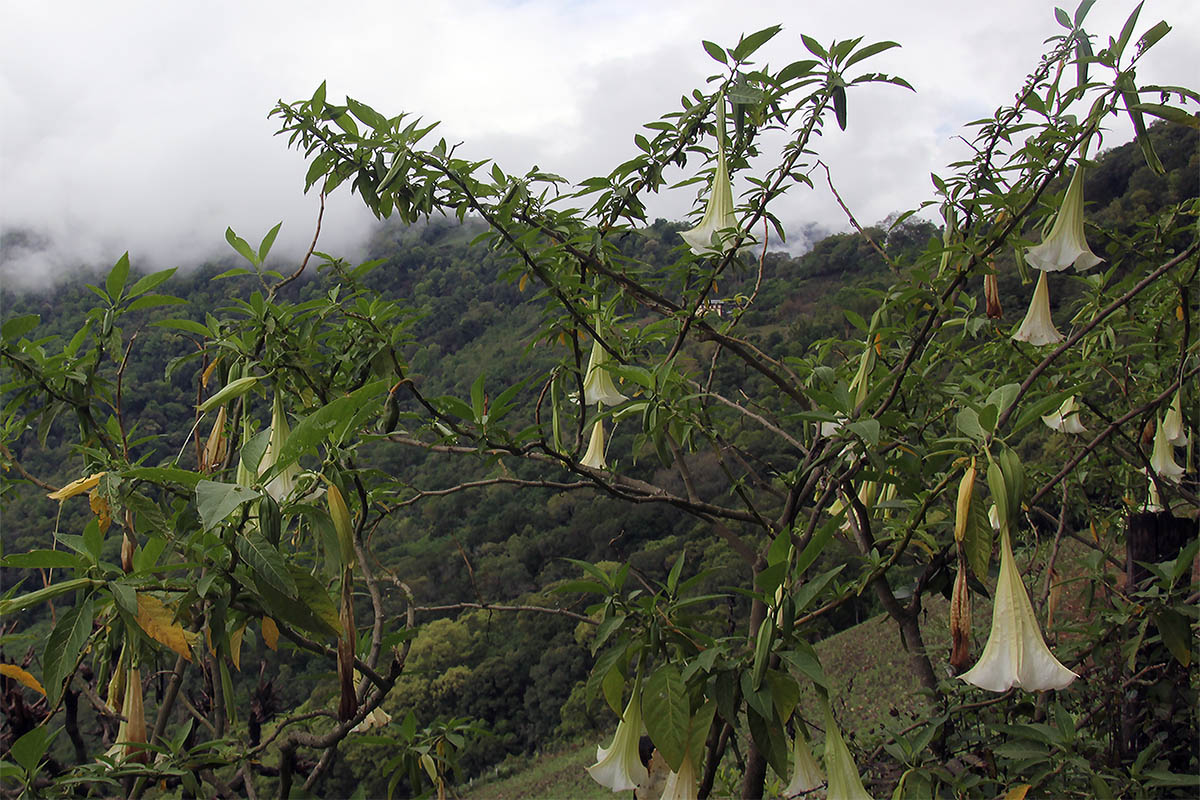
pixel 1015 653
pixel 598 386
pixel 1038 326
pixel 619 767
pixel 594 457
pixel 1162 460
pixel 806 775
pixel 1065 245
pixel 1066 418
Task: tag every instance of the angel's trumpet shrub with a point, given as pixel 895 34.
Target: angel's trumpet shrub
pixel 681 785
pixel 1066 418
pixel 619 767
pixel 594 457
pixel 1173 424
pixel 844 780
pixel 598 386
pixel 1162 460
pixel 1038 326
pixel 806 775
pixel 1015 653
pixel 1065 245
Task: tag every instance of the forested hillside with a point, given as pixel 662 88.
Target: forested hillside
pixel 468 558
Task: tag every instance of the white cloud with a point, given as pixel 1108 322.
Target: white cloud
pixel 142 125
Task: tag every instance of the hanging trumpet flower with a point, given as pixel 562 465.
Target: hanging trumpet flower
pixel 1162 460
pixel 619 767
pixel 681 785
pixel 1038 326
pixel 844 780
pixel 281 486
pixel 598 386
pixel 1015 653
pixel 594 457
pixel 806 775
pixel 1066 418
pixel 1065 245
pixel 717 230
pixel 1173 423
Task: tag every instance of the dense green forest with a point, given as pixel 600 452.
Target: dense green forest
pixel 468 558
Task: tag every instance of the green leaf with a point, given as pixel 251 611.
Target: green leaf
pixel 63 647
pixel 967 422
pixel 267 242
pixel 715 51
pixel 161 475
pixel 125 597
pixel 698 729
pixel 154 300
pixel 1151 37
pixel 769 735
pixel 42 559
pixel 748 44
pixel 978 539
pixel 868 51
pixel 266 562
pixel 315 611
pixel 17 327
pixel 188 325
pixel 29 750
pixel 1176 634
pixel 151 281
pixel 241 246
pixel 665 712
pixel 116 277
pixel 867 429
pixel 814 47
pixel 216 501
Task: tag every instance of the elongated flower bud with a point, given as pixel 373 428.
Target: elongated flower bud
pixel 962 510
pixel 960 619
pixel 991 296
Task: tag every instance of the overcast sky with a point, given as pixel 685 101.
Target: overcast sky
pixel 142 126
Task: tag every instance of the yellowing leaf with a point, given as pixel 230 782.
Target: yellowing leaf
pixel 75 487
pixel 158 621
pixel 270 633
pixel 235 647
pixel 208 371
pixel 1017 792
pixel 21 676
pixel 101 509
pixel 521 283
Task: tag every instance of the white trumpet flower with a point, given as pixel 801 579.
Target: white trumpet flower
pixel 1162 460
pixel 718 227
pixel 594 457
pixel 1065 245
pixel 282 485
pixel 598 386
pixel 1173 424
pixel 1038 326
pixel 681 785
pixel 806 775
pixel 619 767
pixel 1015 653
pixel 844 780
pixel 1066 419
